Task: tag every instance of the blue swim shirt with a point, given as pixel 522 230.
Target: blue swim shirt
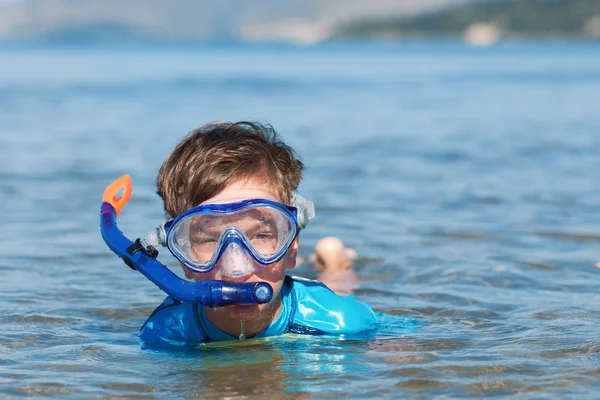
pixel 309 307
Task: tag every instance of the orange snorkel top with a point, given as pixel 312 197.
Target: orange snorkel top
pixel 110 193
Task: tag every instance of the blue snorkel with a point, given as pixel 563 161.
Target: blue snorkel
pixel 210 293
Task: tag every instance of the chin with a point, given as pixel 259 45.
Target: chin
pixel 243 313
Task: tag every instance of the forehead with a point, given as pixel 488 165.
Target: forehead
pixel 253 217
pixel 245 190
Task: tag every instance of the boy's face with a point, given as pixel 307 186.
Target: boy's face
pixel 272 274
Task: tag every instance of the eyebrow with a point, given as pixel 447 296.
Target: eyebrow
pixel 208 229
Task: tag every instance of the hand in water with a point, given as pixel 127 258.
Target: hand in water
pixel 334 263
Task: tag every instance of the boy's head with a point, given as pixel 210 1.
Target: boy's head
pixel 228 163
pixel 218 154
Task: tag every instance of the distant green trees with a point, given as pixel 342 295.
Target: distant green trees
pixel 514 17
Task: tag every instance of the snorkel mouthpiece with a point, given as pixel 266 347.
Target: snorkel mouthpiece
pixel 221 293
pixel 211 293
pixel 245 293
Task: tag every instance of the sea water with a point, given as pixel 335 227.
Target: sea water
pixel 466 179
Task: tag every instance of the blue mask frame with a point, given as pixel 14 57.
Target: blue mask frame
pixel 231 235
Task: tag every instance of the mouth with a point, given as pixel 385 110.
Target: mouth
pixel 240 279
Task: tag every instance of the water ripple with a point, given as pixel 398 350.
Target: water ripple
pixel 465 183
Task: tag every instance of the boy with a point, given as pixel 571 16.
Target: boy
pixel 235 186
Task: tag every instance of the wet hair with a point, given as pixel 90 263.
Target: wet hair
pixel 218 154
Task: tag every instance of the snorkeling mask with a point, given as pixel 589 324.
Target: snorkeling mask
pixel 241 235
pixel 201 236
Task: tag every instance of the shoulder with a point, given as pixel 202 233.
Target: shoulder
pixel 172 322
pixel 320 309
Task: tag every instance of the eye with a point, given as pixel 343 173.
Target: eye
pixel 200 241
pixel 262 236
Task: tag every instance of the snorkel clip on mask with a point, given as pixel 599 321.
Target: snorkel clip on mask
pixel 141 257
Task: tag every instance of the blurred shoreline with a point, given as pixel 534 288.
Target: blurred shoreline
pixel 479 23
pixel 340 44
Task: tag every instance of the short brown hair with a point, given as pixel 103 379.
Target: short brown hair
pixel 218 154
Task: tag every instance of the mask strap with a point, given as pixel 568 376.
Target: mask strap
pixel 306 209
pixel 156 237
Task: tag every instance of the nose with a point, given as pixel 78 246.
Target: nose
pixel 235 262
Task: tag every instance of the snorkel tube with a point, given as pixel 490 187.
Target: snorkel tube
pixel 211 293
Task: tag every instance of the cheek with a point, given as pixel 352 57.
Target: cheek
pixel 205 276
pixel 273 275
pixel 275 272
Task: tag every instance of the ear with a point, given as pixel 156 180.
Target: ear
pixel 292 255
pixel 188 274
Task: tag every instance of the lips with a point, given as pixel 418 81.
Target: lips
pixel 240 279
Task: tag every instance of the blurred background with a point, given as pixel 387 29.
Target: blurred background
pixel 480 22
pixel 454 144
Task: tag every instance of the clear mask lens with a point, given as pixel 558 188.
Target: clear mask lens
pixel 265 231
